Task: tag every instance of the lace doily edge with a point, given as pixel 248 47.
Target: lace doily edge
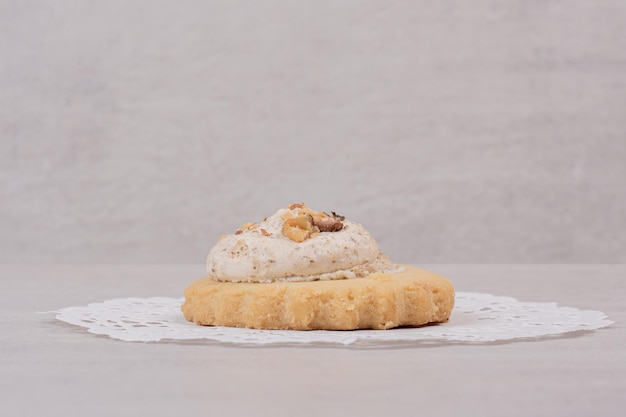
pixel 598 318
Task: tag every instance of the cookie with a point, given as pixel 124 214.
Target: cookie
pixel 410 297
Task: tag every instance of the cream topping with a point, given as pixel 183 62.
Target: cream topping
pixel 263 252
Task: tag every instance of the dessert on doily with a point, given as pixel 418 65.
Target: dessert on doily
pixel 302 269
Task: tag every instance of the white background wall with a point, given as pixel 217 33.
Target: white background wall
pixel 457 131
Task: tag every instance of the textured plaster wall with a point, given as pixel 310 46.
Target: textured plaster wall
pixel 457 131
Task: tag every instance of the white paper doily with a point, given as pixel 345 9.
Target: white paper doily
pixel 476 318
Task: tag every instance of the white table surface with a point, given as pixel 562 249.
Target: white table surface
pixel 52 368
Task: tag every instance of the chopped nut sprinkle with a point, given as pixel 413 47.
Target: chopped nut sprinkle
pixel 309 223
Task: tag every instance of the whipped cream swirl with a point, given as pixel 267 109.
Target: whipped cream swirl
pixel 263 252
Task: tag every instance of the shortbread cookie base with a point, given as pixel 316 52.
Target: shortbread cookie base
pixel 411 297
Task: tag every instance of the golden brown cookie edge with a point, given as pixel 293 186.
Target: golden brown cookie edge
pixel 413 297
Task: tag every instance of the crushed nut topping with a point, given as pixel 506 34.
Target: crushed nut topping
pixel 246 226
pixel 300 223
pixel 338 216
pixel 298 228
pixel 303 221
pixel 309 223
pixel 328 223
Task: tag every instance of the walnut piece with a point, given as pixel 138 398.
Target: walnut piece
pixel 296 234
pixel 303 221
pixel 328 224
pixel 298 228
